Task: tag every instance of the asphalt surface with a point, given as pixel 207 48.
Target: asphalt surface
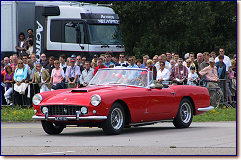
pixel 209 138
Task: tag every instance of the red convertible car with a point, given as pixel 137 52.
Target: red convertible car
pixel 117 98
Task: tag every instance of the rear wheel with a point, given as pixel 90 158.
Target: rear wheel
pixel 51 128
pixel 184 115
pixel 115 120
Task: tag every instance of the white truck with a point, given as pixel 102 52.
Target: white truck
pixel 61 27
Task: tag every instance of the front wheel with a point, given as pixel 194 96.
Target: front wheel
pixel 184 115
pixel 115 120
pixel 51 128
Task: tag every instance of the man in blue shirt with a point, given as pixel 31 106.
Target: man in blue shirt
pixel 132 63
pixel 145 58
pixel 108 58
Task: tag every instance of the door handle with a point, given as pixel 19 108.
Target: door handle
pixel 174 93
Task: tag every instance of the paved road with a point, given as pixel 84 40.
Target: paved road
pixel 211 138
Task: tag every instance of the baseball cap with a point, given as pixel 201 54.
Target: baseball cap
pixel 73 56
pixel 72 60
pixel 211 59
pixel 186 55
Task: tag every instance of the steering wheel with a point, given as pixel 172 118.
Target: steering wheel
pixel 138 81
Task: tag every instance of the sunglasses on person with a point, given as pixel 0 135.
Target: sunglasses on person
pixel 121 56
pixel 20 63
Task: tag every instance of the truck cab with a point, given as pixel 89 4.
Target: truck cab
pixel 76 28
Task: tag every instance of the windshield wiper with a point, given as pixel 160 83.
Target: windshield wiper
pixel 119 46
pixel 113 83
pixel 103 45
pixel 122 84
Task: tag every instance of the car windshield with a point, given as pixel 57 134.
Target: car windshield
pixel 130 77
pixel 103 34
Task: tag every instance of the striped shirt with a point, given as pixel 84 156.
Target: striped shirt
pixel 179 72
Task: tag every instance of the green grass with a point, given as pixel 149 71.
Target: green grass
pixel 218 114
pixel 18 114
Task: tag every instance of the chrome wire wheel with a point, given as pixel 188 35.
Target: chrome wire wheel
pixel 115 121
pixel 185 113
pixel 117 118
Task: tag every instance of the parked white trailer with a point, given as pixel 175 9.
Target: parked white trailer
pixel 16 17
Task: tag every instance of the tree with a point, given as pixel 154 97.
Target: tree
pixel 154 27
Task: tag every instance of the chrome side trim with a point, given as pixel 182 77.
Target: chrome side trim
pixel 205 109
pixel 151 122
pixel 71 118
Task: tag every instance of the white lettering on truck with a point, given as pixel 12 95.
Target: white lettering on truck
pixel 107 17
pixel 108 21
pixel 38 38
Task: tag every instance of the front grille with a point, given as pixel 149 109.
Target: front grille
pixel 62 109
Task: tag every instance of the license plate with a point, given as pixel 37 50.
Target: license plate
pixel 61 119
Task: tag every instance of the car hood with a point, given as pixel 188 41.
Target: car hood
pixel 81 95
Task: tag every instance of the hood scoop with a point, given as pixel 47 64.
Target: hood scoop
pixel 79 90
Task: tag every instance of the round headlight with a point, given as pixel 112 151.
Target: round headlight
pixel 44 109
pixel 84 110
pixel 95 100
pixel 37 98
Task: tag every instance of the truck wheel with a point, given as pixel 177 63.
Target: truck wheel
pixel 115 120
pixel 184 115
pixel 50 128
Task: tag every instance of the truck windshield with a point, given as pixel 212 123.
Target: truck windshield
pixel 105 34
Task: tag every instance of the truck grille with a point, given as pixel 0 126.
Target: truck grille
pixel 62 109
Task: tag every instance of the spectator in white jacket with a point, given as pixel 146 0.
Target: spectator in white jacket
pixel 226 59
pixel 163 74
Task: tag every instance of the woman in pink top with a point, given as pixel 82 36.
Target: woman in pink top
pixel 57 76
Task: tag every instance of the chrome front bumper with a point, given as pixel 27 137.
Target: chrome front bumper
pixel 205 109
pixel 72 118
pixel 77 117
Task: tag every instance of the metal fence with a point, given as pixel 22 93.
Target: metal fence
pixel 226 87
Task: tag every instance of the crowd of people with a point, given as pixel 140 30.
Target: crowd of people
pixel 22 75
